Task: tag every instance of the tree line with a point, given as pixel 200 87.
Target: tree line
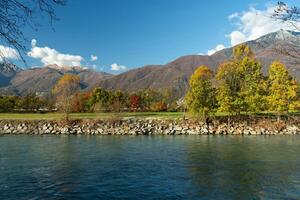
pixel 239 86
pixel 28 103
pixel 67 97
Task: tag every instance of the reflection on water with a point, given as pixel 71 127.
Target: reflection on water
pixel 246 167
pixel 179 167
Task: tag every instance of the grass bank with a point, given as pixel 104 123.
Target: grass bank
pixel 56 116
pixel 123 115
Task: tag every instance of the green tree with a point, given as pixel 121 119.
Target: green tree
pixel 101 99
pixel 8 103
pixel 200 98
pixel 283 90
pixel 32 103
pixel 118 101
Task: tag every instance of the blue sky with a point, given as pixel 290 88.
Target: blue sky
pixel 133 33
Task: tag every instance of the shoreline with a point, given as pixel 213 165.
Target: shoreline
pixel 254 126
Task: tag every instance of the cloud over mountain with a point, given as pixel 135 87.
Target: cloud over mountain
pixel 8 53
pixel 218 48
pixel 254 23
pixel 116 67
pixel 50 56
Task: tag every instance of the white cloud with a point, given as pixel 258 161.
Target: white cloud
pixel 33 42
pixel 51 56
pixel 217 48
pixel 116 67
pixel 237 37
pixel 254 23
pixel 8 53
pixel 233 15
pixel 94 58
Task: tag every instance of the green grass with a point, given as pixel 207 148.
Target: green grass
pixel 138 115
pixel 55 116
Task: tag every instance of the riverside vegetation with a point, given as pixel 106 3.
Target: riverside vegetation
pixel 239 90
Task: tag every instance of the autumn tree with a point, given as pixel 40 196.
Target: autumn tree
pixel 158 106
pixel 283 90
pixel 253 84
pixel 64 89
pixel 228 96
pixel 241 83
pixel 80 101
pixel 135 102
pixel 200 98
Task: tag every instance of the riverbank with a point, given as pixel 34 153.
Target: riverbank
pixel 92 116
pixel 220 126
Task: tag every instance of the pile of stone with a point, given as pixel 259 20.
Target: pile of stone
pixel 143 127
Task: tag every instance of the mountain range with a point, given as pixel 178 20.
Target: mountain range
pixel 40 80
pixel 173 76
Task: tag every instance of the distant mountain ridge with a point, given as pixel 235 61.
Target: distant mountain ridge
pixel 41 80
pixel 173 76
pixel 7 72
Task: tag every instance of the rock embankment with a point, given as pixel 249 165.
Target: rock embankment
pixel 150 127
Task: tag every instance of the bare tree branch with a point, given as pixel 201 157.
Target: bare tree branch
pixel 285 13
pixel 290 15
pixel 15 15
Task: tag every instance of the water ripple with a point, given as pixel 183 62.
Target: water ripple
pixel 182 167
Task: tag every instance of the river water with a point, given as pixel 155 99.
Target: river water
pixel 144 167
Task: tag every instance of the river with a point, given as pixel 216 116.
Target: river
pixel 144 167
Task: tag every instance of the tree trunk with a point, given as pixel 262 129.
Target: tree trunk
pixel 66 116
pixel 228 123
pixel 207 120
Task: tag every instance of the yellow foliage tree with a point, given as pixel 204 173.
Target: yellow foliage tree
pixel 200 98
pixel 66 86
pixel 229 78
pixel 241 83
pixel 283 90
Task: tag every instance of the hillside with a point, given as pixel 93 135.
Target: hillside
pixel 175 75
pixel 41 80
